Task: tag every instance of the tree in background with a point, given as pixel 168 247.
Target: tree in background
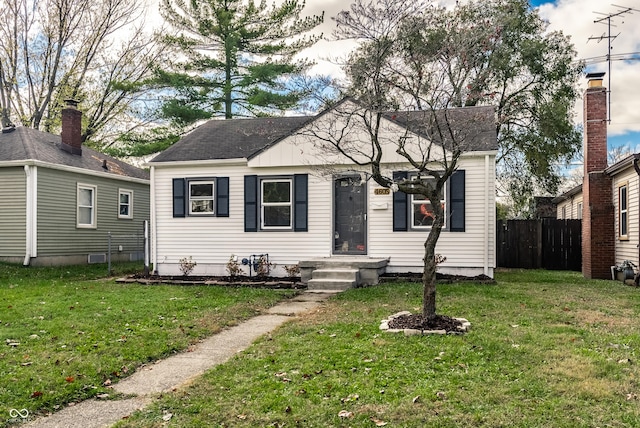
pixel 233 58
pixel 94 52
pixel 495 52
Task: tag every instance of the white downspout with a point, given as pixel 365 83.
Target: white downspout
pixel 486 215
pixel 152 214
pixel 31 174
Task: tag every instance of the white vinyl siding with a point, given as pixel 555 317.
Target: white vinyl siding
pixel 211 242
pixel 462 249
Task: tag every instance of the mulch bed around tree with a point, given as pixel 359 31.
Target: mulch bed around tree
pixel 440 278
pixel 419 322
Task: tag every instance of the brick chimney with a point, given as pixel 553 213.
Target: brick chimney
pixel 71 128
pixel 598 229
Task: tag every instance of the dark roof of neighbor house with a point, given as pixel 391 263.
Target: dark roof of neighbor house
pixel 23 144
pixel 245 138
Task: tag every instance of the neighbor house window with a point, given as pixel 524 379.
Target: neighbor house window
pixel 125 203
pixel 201 197
pixel 623 211
pixel 86 206
pixel 276 196
pixel 564 212
pixel 579 213
pixel 422 210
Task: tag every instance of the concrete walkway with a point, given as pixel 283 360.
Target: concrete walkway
pixel 173 372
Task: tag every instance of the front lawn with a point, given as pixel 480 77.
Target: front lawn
pixel 67 332
pixel 546 349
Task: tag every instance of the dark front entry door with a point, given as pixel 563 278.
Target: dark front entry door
pixel 350 223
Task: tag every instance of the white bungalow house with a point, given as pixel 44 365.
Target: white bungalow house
pixel 249 187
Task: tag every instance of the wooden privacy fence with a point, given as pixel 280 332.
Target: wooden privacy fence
pixel 533 244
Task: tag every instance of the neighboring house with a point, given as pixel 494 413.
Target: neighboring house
pixel 607 200
pixel 247 187
pixel 569 204
pixel 60 200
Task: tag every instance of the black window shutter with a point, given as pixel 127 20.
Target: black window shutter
pixel 250 203
pixel 301 205
pixel 179 199
pixel 400 205
pixel 222 196
pixel 456 201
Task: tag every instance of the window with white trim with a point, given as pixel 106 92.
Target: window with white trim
pixel 623 211
pixel 125 203
pixel 421 208
pixel 579 212
pixel 201 197
pixel 86 206
pixel 276 196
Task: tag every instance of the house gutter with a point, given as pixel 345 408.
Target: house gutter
pixel 486 215
pixel 31 174
pixel 152 214
pixel 636 159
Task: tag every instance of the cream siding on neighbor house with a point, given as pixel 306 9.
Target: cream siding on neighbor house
pixel 58 234
pixel 13 215
pixel 211 241
pixel 570 208
pixel 627 249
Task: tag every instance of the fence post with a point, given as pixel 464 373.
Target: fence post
pixel 109 253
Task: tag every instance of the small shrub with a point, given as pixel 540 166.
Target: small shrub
pixel 233 267
pixel 292 271
pixel 264 266
pixel 187 265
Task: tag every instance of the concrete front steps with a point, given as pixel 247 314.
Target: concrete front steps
pixel 333 279
pixel 341 273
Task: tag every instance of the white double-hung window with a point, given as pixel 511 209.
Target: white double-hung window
pixel 276 197
pixel 125 203
pixel 201 197
pixel 86 206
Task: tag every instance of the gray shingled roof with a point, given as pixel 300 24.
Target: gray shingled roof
pixel 245 138
pixel 231 139
pixel 23 144
pixel 475 127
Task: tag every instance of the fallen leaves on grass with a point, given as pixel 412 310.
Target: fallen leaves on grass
pixel 345 414
pixel 378 422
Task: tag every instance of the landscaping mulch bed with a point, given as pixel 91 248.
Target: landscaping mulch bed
pixel 440 278
pixel 419 322
pixel 236 281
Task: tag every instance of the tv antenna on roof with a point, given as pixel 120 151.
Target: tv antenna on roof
pixel 606 19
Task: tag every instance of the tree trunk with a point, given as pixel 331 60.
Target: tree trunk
pixel 429 272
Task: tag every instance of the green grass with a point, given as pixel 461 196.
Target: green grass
pixel 546 349
pixel 66 331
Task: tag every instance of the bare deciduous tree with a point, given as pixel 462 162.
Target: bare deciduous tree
pixel 95 52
